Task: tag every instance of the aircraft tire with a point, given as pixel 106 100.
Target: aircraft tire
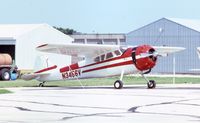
pixel 118 84
pixel 41 85
pixel 151 84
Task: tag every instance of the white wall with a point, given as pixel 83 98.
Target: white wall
pixel 26 44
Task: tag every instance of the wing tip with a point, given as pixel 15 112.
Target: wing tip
pixel 180 48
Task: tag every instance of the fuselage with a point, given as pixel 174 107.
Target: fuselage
pixel 82 70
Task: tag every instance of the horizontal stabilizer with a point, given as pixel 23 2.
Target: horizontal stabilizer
pixel 31 76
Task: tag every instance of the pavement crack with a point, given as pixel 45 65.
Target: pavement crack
pixel 190 104
pixel 112 114
pixel 62 105
pixel 134 109
pixel 23 109
pixel 161 103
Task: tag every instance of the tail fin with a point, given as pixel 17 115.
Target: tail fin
pixel 42 64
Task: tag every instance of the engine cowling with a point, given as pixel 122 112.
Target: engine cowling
pixel 144 57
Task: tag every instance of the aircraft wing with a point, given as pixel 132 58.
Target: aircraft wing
pixel 93 50
pixel 31 76
pixel 80 50
pixel 164 51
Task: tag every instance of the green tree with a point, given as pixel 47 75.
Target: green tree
pixel 66 31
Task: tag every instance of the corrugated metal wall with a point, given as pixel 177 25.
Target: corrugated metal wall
pixel 166 32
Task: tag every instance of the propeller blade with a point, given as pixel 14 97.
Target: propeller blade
pixel 144 55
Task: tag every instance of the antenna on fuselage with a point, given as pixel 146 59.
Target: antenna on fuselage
pixel 83 87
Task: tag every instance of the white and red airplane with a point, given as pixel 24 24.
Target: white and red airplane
pixel 99 61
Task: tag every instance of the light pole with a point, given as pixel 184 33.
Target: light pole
pixel 174 69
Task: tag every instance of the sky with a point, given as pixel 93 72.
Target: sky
pixel 96 16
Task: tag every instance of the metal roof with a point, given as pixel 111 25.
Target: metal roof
pixel 98 36
pixel 16 30
pixel 190 23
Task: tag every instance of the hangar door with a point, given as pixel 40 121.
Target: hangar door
pixel 8 46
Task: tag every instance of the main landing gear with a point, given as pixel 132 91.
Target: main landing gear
pixel 119 84
pixel 150 83
pixel 42 84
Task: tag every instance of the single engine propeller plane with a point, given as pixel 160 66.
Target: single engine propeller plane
pixel 100 61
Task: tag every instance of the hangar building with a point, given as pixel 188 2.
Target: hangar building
pixel 171 32
pixel 20 41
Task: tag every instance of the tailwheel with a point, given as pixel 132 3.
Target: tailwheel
pixel 151 84
pixel 41 84
pixel 118 84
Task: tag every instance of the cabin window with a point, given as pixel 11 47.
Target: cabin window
pixel 117 52
pixel 122 50
pixel 97 59
pixel 109 55
pixel 102 57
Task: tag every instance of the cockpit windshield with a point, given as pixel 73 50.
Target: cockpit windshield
pixel 108 55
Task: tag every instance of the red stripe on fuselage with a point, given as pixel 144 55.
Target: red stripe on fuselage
pixel 68 68
pixel 109 66
pixel 46 69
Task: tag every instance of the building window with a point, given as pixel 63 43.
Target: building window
pixel 79 41
pixel 122 42
pixel 110 41
pixel 94 41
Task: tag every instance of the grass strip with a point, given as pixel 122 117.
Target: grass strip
pixel 128 80
pixel 4 91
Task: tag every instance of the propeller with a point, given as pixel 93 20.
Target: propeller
pixel 151 54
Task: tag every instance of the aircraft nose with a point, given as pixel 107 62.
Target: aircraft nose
pixel 144 57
